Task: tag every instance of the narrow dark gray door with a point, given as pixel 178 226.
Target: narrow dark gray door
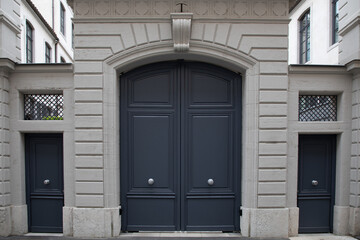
pixel 180 147
pixel 44 175
pixel 316 182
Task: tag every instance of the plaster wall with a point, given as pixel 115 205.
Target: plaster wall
pixel 9 29
pixel 50 10
pixel 40 36
pixel 322 50
pixel 349 29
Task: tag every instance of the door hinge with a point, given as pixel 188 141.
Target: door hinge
pixel 240 212
pixel 120 211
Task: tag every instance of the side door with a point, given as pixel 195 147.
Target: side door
pixel 316 183
pixel 44 182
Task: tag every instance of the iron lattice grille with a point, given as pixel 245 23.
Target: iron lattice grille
pixel 43 107
pixel 317 108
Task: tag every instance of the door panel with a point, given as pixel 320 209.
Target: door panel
pixel 153 143
pixel 45 197
pixel 151 213
pixel 209 89
pixel 151 88
pixel 316 182
pixel 178 130
pixel 210 146
pixel 319 219
pixel 210 213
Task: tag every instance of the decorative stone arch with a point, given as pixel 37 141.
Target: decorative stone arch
pixel 156 52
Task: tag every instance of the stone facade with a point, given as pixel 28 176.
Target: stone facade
pixel 113 37
pixel 107 43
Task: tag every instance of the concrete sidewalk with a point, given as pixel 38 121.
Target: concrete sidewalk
pixel 178 236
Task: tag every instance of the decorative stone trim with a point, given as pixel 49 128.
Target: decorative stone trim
pixel 204 9
pixel 181 29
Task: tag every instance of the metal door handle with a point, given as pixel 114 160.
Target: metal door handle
pixel 46 181
pixel 151 181
pixel 210 181
pixel 314 182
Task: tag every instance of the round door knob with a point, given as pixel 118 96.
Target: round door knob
pixel 314 182
pixel 151 181
pixel 210 182
pixel 46 181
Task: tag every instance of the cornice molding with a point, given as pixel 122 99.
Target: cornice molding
pixel 317 69
pixel 6 66
pixel 44 68
pixel 350 25
pixel 353 66
pixel 10 23
pixel 201 9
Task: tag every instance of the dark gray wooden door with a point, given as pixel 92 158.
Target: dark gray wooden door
pixel 180 147
pixel 316 182
pixel 44 182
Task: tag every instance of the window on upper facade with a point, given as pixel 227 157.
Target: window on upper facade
pixel 335 21
pixel 62 60
pixel 305 38
pixel 47 53
pixel 29 42
pixel 62 19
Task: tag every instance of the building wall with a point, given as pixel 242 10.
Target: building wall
pixel 51 11
pixel 249 37
pixel 112 37
pixel 9 51
pixel 322 80
pixel 41 35
pixel 349 55
pixel 322 50
pixel 9 29
pixel 63 47
pixel 349 30
pixel 35 79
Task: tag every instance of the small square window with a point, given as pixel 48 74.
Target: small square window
pixel 43 107
pixel 317 108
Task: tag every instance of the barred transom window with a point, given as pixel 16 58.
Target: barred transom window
pixel 317 108
pixel 43 106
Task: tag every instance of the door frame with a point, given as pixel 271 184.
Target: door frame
pixel 28 137
pixel 333 156
pixel 237 145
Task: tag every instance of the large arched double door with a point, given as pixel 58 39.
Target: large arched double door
pixel 180 148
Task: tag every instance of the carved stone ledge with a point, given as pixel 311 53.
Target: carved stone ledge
pixel 181 30
pixel 201 9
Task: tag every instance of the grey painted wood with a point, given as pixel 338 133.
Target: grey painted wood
pixel 180 165
pixel 44 174
pixel 316 182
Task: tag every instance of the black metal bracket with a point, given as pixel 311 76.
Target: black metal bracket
pixel 181 6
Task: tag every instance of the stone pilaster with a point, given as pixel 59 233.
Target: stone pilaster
pixel 354 221
pixel 5 193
